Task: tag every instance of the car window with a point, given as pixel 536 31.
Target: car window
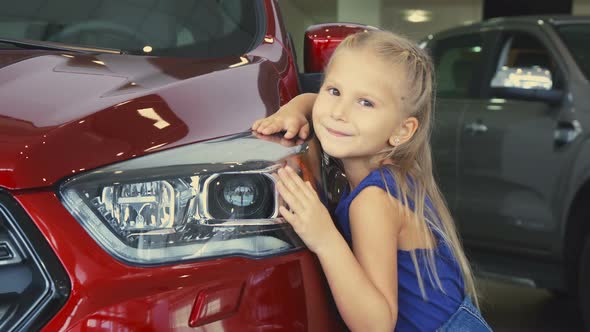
pixel 457 61
pixel 195 28
pixel 524 62
pixel 577 39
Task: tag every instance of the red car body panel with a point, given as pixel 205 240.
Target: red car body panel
pixel 67 113
pixel 192 100
pixel 283 293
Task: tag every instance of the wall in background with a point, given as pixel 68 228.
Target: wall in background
pixel 581 7
pixel 296 21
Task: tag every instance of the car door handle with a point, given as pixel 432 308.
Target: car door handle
pixel 566 132
pixel 476 127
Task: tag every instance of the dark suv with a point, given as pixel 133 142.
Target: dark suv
pixel 511 146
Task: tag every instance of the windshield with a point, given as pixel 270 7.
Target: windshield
pixel 192 28
pixel 577 38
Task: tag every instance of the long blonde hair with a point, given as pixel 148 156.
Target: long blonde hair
pixel 413 159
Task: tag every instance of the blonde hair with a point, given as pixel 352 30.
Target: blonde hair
pixel 413 159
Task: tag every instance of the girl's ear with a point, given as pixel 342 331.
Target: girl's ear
pixel 405 132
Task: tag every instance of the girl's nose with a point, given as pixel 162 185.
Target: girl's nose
pixel 338 112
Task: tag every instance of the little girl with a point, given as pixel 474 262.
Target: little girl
pixel 394 261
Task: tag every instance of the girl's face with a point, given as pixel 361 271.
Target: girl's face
pixel 358 110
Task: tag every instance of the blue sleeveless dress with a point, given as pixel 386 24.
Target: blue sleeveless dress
pixel 414 312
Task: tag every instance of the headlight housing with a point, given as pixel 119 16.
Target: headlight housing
pixel 199 201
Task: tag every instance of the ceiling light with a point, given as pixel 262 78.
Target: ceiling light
pixel 417 15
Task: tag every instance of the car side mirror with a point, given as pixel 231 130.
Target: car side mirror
pixel 527 83
pixel 320 42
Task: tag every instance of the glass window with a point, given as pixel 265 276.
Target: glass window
pixel 457 61
pixel 577 39
pixel 195 28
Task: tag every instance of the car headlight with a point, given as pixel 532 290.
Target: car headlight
pixel 204 200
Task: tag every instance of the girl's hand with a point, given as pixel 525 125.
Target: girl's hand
pixel 308 216
pixel 284 119
pixel 292 118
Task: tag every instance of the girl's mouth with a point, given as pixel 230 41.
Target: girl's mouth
pixel 337 133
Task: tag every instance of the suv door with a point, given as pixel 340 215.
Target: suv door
pixel 509 163
pixel 457 60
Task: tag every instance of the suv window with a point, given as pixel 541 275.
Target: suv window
pixel 195 28
pixel 457 61
pixel 577 38
pixel 523 54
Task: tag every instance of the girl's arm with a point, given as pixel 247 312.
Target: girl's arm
pixel 363 283
pixel 293 117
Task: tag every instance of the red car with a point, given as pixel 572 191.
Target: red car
pixel 132 194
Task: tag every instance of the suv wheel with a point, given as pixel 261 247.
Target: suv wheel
pixel 583 283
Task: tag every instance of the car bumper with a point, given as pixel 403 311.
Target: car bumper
pixel 285 292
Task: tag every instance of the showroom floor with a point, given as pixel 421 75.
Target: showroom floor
pixel 512 308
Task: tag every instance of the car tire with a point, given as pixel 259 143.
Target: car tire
pixel 583 283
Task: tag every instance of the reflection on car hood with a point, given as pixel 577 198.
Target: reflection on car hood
pixel 61 114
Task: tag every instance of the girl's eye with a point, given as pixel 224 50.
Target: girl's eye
pixel 366 103
pixel 333 91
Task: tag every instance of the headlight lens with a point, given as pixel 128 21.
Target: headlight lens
pixel 241 196
pixel 144 206
pixel 142 217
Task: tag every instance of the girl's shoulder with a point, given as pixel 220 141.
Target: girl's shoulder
pixel 384 178
pixel 381 177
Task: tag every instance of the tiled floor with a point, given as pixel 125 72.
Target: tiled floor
pixel 512 308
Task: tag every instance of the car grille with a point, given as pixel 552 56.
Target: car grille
pixel 33 284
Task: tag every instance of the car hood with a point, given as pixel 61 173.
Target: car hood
pixel 61 114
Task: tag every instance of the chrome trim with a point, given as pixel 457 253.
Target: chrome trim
pixel 245 222
pixel 15 257
pixel 241 152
